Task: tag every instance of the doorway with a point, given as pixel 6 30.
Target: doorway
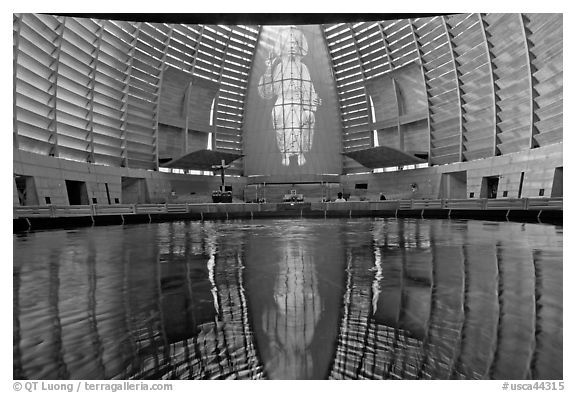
pixel 77 192
pixel 557 183
pixel 453 185
pixel 26 188
pixel 489 188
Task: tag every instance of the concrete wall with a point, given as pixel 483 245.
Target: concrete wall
pixel 198 189
pixel 178 100
pixel 274 193
pixel 50 175
pixel 538 166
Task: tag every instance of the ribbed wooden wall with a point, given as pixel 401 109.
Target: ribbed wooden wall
pixel 493 82
pixel 89 90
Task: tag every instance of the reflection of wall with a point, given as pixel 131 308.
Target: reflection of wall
pixel 260 145
pixel 452 300
pixel 76 297
pixel 472 299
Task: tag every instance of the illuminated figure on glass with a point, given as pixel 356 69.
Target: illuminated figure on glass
pixel 289 79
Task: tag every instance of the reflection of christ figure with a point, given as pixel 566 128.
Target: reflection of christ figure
pixel 289 79
pixel 290 323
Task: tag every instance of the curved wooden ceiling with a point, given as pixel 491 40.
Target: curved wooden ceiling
pixel 87 89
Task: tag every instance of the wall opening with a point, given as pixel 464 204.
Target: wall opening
pixel 375 141
pixel 77 192
pixel 453 185
pixel 134 190
pixel 489 188
pixel 521 184
pixel 26 188
pixel 108 193
pixel 557 183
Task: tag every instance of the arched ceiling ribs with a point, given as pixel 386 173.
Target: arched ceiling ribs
pixel 489 55
pixel 166 44
pixel 53 116
pixel 530 68
pixel 87 89
pixel 458 89
pixel 421 62
pixel 16 24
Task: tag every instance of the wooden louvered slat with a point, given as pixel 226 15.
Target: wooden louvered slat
pixel 376 70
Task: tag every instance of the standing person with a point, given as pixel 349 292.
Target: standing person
pixel 340 198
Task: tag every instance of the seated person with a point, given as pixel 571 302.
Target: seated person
pixel 340 198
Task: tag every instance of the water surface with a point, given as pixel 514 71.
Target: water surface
pixel 290 299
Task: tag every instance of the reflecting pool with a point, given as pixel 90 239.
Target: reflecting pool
pixel 290 299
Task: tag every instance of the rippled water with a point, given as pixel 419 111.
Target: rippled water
pixel 290 299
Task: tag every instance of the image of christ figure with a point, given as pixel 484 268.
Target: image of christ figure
pixel 287 78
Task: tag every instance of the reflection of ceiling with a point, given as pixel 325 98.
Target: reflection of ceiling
pixel 202 160
pixel 383 156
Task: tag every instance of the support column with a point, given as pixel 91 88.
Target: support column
pixel 531 70
pixel 493 78
pixel 395 87
pixel 91 87
pixel 16 24
pixel 124 126
pixel 419 51
pixel 458 89
pixel 217 100
pixel 53 89
pixel 363 77
pixel 186 115
pixel 158 95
